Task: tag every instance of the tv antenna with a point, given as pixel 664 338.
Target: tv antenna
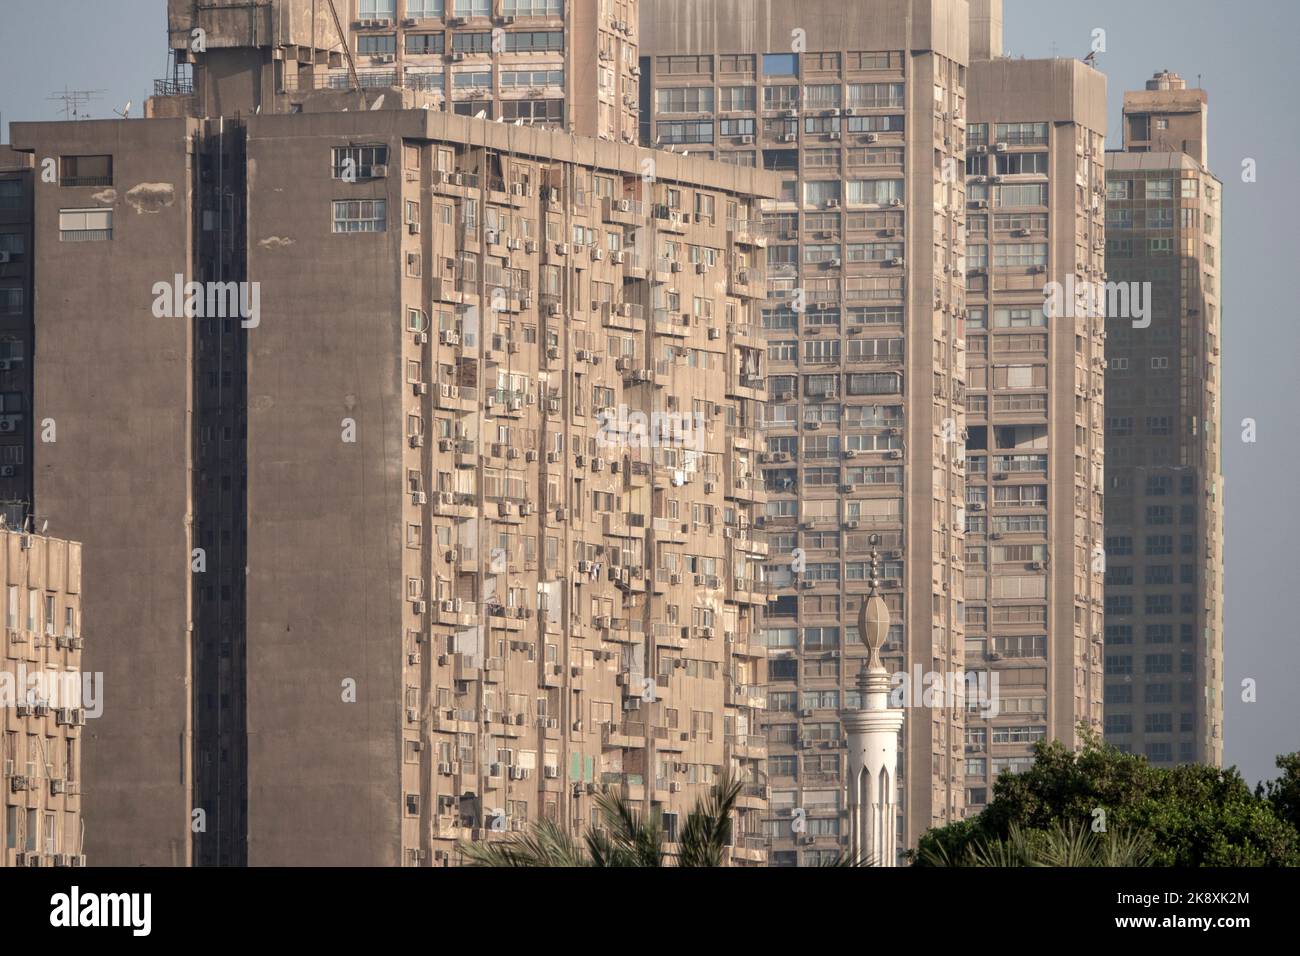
pixel 75 101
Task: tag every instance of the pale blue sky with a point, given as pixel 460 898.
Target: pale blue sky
pixel 1242 52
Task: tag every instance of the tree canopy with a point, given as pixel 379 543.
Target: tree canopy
pixel 1190 815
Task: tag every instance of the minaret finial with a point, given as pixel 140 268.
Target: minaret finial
pixel 873 618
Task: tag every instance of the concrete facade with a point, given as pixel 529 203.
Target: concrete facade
pixel 16 335
pixel 497 575
pixel 1035 192
pixel 565 64
pixel 1164 510
pixel 42 712
pixel 114 458
pixel 860 116
pixel 422 588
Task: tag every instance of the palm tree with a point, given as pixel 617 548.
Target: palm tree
pixel 1072 846
pixel 628 838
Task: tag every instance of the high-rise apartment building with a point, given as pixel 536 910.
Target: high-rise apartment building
pixel 458 528
pixel 42 702
pixel 1035 192
pixel 567 64
pixel 1164 488
pixel 16 183
pixel 863 117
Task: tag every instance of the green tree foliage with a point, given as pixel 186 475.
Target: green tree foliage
pixel 1190 815
pixel 1284 792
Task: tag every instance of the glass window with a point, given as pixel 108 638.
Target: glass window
pixel 780 64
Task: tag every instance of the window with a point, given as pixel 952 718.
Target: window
pixel 376 44
pixel 684 64
pixel 421 43
pixel 1021 134
pixel 360 215
pixel 1023 164
pixel 874 191
pixel 424 8
pixel 875 94
pixel 85 225
pixel 780 64
pixel 736 63
pixel 358 162
pixel 532 8
pixel 685 99
pixel 1027 194
pixel 86 171
pixel 735 98
pixel 736 127
pixel 14 243
pixel 688 132
pixel 1020 254
pixel 533 111
pixel 11 193
pixel 473 8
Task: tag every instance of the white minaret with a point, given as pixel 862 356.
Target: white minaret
pixel 872 733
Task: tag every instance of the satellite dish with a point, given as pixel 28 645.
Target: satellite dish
pixel 378 102
pixel 125 111
pixel 481 114
pixel 520 121
pixel 45 525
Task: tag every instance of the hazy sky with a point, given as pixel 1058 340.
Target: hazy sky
pixel 1242 53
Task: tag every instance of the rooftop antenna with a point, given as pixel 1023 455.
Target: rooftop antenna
pixel 347 52
pixel 74 101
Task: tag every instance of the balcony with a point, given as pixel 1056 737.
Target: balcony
pixel 748 746
pixel 456 398
pixel 754 796
pixel 746 282
pixel 748 232
pixel 626 212
pixel 749 695
pixel 175 87
pixel 746 488
pixel 454 612
pixel 623 315
pixel 630 734
pixel 450 504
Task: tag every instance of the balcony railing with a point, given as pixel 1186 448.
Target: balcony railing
pixel 85 235
pixel 173 87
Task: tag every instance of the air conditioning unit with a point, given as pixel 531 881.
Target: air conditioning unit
pixel 379 171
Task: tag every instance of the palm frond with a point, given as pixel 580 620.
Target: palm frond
pixel 707 832
pixel 545 844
